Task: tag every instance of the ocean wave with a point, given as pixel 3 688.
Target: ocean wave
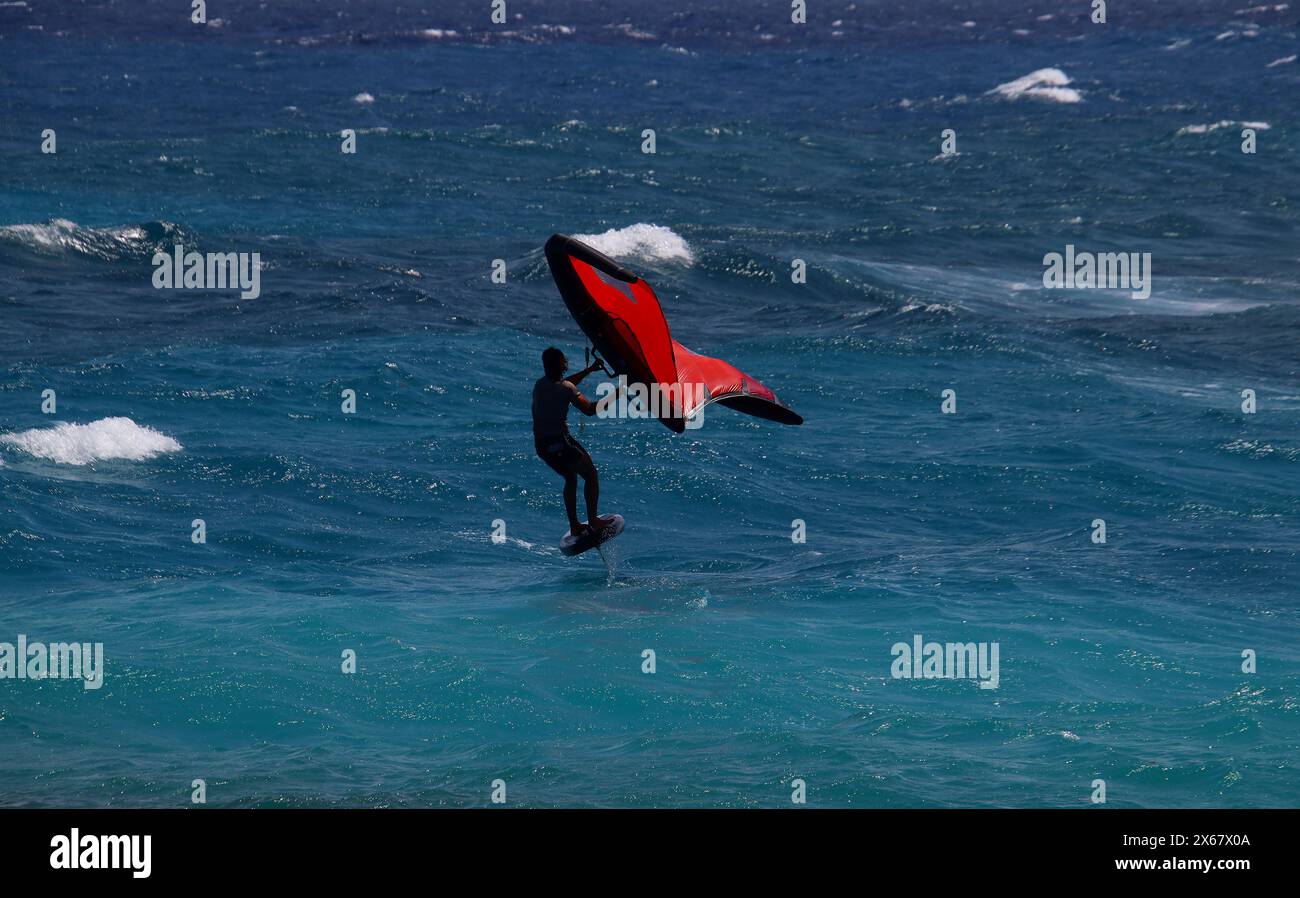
pixel 1258 449
pixel 1215 126
pixel 82 444
pixel 59 236
pixel 644 242
pixel 1042 84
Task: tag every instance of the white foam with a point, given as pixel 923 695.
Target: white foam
pixel 628 29
pixel 364 99
pixel 1215 126
pixel 647 242
pixel 45 236
pixel 61 235
pixel 1043 84
pixel 1285 60
pixel 81 444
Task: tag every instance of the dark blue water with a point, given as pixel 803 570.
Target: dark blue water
pixel 480 660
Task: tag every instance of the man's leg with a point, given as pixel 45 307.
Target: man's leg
pixel 571 501
pixel 590 489
pixel 563 464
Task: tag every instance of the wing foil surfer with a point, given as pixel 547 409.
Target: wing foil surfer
pixel 552 395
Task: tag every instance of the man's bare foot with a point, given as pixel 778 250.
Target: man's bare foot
pixel 585 529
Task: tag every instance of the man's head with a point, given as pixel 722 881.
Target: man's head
pixel 554 363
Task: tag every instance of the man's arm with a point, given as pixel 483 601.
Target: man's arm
pixel 582 403
pixel 575 379
pixel 586 406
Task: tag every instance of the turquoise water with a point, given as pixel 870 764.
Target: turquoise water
pixel 479 659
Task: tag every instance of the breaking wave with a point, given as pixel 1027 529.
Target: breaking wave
pixel 82 444
pixel 60 236
pixel 1043 84
pixel 643 242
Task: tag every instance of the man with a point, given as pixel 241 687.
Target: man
pixel 552 396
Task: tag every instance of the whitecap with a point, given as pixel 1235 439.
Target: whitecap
pixel 1225 123
pixel 648 242
pixel 82 444
pixel 1042 84
pixel 59 235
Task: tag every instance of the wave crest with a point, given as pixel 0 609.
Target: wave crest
pixel 644 242
pixel 81 444
pixel 59 236
pixel 1225 123
pixel 1042 84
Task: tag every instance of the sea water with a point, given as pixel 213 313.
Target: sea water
pixel 200 499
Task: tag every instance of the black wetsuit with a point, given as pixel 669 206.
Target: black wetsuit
pixel 551 437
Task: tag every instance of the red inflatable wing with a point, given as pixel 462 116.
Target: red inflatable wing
pixel 628 328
